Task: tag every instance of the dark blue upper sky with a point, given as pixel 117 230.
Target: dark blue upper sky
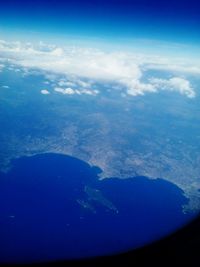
pixel 177 20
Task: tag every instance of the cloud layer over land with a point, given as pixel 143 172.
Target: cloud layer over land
pixel 125 69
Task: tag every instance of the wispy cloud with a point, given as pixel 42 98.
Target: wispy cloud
pixel 125 69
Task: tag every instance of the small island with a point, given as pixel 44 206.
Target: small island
pixel 96 195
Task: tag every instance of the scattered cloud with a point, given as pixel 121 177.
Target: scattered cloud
pixel 70 91
pixel 88 66
pixel 89 92
pixel 67 91
pixel 45 92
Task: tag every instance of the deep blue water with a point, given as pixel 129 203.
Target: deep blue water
pixel 40 218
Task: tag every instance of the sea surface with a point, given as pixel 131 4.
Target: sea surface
pixel 55 207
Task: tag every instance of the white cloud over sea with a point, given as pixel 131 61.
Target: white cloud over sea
pixel 125 69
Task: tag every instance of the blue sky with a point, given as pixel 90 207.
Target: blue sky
pixel 171 21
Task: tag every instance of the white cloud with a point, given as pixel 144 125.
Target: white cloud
pixel 83 83
pixel 57 52
pixel 187 69
pixel 89 92
pixel 46 82
pixel 2 66
pixel 135 87
pixel 45 92
pixel 124 69
pixel 180 85
pixel 67 91
pixel 77 92
pixel 5 86
pixel 66 83
pixel 70 91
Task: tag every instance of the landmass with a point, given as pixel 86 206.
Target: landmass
pixel 123 136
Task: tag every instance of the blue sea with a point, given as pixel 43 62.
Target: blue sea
pixel 46 212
